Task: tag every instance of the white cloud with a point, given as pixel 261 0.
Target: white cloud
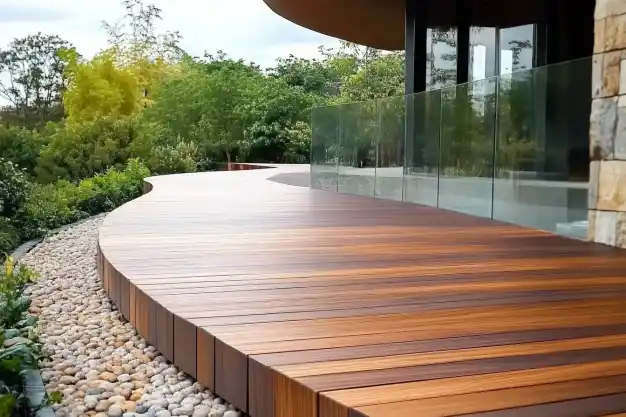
pixel 245 29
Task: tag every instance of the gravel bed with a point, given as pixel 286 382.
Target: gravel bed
pixel 98 361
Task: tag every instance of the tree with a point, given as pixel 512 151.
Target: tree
pixel 136 43
pixel 100 88
pixel 280 116
pixel 222 125
pixel 136 38
pixel 118 80
pixel 82 149
pixel 34 69
pixel 207 102
pixel 382 77
pixel 312 75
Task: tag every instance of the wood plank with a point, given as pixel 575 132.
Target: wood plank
pixel 165 331
pixel 185 345
pixel 435 345
pixel 476 383
pixel 261 385
pixel 293 399
pixel 231 374
pixel 456 355
pixel 571 408
pixel 352 380
pixel 510 398
pixel 205 362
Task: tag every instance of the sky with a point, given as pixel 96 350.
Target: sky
pixel 245 29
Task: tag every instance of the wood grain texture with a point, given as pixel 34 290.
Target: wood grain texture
pixel 260 389
pixel 205 351
pixel 231 374
pixel 185 345
pixel 165 331
pixel 513 399
pixel 292 302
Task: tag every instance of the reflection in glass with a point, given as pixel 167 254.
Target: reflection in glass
pixel 441 58
pixel 514 147
pixel 539 154
pixel 421 180
pixel 358 135
pixel 324 125
pixel 466 157
pixel 390 155
pixel 516 49
pixel 482 56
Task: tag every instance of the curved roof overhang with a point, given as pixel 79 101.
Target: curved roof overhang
pixel 381 23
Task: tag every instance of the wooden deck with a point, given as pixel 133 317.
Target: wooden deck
pixel 292 302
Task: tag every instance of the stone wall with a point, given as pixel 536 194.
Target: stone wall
pixel 607 136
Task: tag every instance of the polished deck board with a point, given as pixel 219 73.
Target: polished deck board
pixel 292 302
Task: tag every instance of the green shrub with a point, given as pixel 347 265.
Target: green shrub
pixel 47 207
pixel 53 205
pixel 174 159
pixel 13 305
pixel 13 188
pixel 81 150
pixel 9 237
pixel 19 348
pixel 110 190
pixel 21 146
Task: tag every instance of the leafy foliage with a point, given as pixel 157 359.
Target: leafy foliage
pixel 9 237
pixel 167 159
pixel 100 88
pixel 34 69
pixel 47 207
pixel 52 205
pixel 83 149
pixel 21 146
pixel 13 188
pixel 19 348
pixel 112 189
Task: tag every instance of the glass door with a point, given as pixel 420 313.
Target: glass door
pixel 499 51
pixel 516 45
pixel 483 55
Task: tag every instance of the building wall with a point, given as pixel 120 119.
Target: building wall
pixel 607 136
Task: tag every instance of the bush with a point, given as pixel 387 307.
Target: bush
pixel 110 190
pixel 53 205
pixel 19 347
pixel 47 207
pixel 9 237
pixel 174 159
pixel 21 146
pixel 13 188
pixel 13 305
pixel 81 150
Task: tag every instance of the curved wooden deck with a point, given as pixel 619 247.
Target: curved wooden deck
pixel 292 302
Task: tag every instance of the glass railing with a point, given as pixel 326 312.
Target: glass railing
pixel 512 148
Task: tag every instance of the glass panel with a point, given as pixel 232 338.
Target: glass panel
pixel 324 145
pixel 358 132
pixel 542 158
pixel 514 148
pixel 441 58
pixel 389 164
pixel 467 144
pixel 482 54
pixel 422 162
pixel 516 49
